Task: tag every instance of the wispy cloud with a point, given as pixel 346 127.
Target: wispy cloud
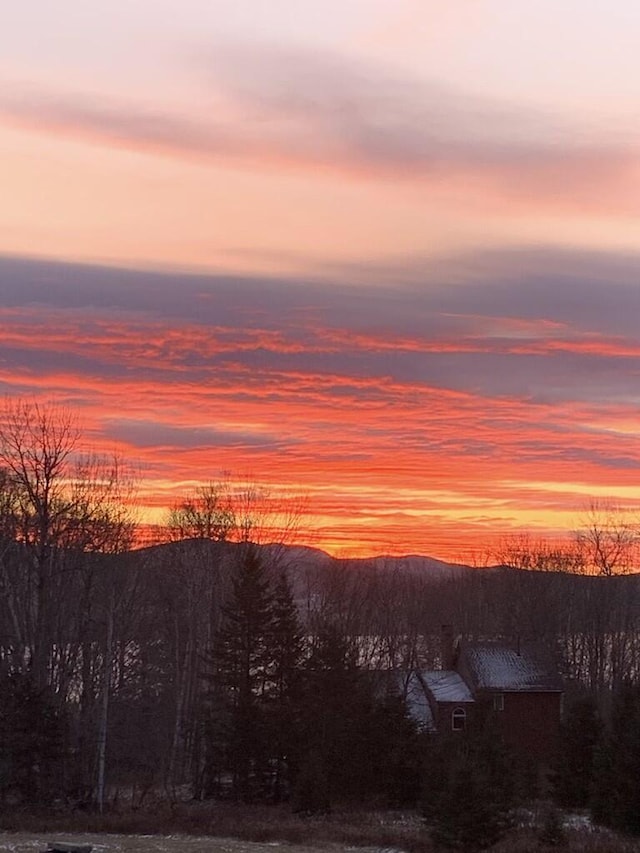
pixel 289 109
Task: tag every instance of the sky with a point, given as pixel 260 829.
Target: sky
pixel 379 254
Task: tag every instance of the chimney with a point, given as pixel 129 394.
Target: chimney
pixel 446 647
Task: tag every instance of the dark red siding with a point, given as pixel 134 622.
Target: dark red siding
pixel 530 723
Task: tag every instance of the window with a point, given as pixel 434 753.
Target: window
pixel 458 719
pixel 498 702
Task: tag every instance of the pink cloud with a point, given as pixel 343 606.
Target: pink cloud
pixel 279 109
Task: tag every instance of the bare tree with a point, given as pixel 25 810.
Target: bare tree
pixel 102 493
pixel 120 592
pixel 238 511
pixel 268 517
pixel 609 537
pixel 56 502
pixel 539 555
pixel 190 585
pixel 208 513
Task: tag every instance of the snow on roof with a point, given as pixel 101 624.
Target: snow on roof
pixel 445 685
pixel 497 667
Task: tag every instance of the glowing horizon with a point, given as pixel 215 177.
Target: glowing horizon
pixel 380 253
pixel 408 424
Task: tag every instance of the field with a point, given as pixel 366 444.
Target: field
pixel 269 830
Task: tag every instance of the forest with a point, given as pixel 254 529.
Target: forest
pixel 218 663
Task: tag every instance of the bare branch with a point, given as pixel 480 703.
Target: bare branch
pixel 609 537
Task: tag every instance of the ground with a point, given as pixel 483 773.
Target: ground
pixel 36 843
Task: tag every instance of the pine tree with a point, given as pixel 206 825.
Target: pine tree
pixel 287 640
pixel 580 735
pixel 31 742
pixel 329 704
pixel 394 752
pixel 242 674
pixel 287 653
pixel 616 795
pixel 468 790
pixel 347 725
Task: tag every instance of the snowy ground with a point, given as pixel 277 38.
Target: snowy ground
pixel 20 842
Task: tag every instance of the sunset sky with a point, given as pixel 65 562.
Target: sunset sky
pixel 384 254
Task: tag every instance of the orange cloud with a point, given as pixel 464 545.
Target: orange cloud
pixel 436 441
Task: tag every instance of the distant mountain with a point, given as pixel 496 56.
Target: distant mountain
pixel 413 563
pixel 313 574
pixel 304 557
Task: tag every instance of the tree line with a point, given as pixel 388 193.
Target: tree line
pixel 223 666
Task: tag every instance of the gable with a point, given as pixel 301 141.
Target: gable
pixel 499 667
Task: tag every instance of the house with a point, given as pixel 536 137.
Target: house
pixel 515 684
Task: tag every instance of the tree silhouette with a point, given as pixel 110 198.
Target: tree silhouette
pixel 616 795
pixel 468 789
pixel 579 737
pixel 285 690
pixel 242 670
pixel 31 742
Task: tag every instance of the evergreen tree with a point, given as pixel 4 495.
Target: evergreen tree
pixel 286 641
pixel 395 748
pixel 242 673
pixel 31 742
pixel 579 737
pixel 359 742
pixel 287 653
pixel 616 796
pixel 468 789
pixel 330 702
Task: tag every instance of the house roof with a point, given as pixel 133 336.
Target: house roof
pixel 500 667
pixel 445 685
